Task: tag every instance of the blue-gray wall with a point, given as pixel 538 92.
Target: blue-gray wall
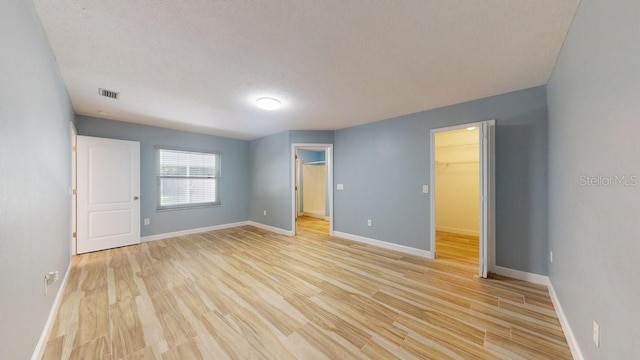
pixel 35 178
pixel 234 180
pixel 594 130
pixel 271 174
pixel 269 157
pixel 383 166
pixel 307 156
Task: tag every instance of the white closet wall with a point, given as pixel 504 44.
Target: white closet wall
pixel 457 182
pixel 313 195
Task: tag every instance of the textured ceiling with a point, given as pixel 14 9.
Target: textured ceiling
pixel 199 65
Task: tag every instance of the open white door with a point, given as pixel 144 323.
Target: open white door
pixel 108 193
pixel 487 196
pixel 74 185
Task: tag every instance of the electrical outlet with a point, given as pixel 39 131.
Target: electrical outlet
pixel 368 222
pixel 340 187
pixel 147 221
pixel 425 189
pixel 596 333
pixel 50 278
pixel 264 213
pixel 551 256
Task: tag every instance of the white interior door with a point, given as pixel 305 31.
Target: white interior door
pixel 487 196
pixel 74 185
pixel 108 193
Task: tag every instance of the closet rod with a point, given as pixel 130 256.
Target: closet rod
pixel 457 146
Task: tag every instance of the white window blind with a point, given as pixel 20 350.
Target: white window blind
pixel 187 179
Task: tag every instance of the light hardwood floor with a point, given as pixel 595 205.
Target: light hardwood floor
pixel 245 293
pixel 462 248
pixel 310 225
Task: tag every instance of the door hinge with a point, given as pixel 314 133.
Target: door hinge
pixel 75 234
pixel 74 148
pixel 75 192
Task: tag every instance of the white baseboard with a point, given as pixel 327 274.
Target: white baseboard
pixel 271 228
pixel 385 245
pixel 521 275
pixel 46 331
pixel 568 333
pixel 192 231
pixel 458 231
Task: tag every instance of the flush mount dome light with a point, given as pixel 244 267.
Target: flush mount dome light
pixel 268 103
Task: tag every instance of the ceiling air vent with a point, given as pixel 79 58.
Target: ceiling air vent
pixel 109 93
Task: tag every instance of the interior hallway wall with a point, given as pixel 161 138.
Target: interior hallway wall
pixel 271 170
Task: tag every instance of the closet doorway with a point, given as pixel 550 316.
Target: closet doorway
pixel 312 189
pixel 462 214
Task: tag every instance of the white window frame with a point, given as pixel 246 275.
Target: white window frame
pixel 159 177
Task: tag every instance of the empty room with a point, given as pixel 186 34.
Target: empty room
pixel 412 179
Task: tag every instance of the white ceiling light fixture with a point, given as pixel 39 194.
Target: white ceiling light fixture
pixel 268 103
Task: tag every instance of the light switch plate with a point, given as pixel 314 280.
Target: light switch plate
pixel 425 189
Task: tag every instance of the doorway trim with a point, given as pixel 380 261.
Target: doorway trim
pixel 329 166
pixel 487 250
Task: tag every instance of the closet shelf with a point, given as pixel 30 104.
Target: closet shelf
pixel 457 162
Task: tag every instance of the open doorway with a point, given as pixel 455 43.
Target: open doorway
pixel 312 189
pixel 457 173
pixel 462 195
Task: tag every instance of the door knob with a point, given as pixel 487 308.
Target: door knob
pixel 135 198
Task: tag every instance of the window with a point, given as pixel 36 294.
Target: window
pixel 187 179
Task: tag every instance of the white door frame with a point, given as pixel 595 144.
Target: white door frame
pixel 486 219
pixel 74 203
pixel 329 166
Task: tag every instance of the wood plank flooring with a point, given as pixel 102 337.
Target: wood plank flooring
pixel 245 293
pixel 463 248
pixel 311 225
